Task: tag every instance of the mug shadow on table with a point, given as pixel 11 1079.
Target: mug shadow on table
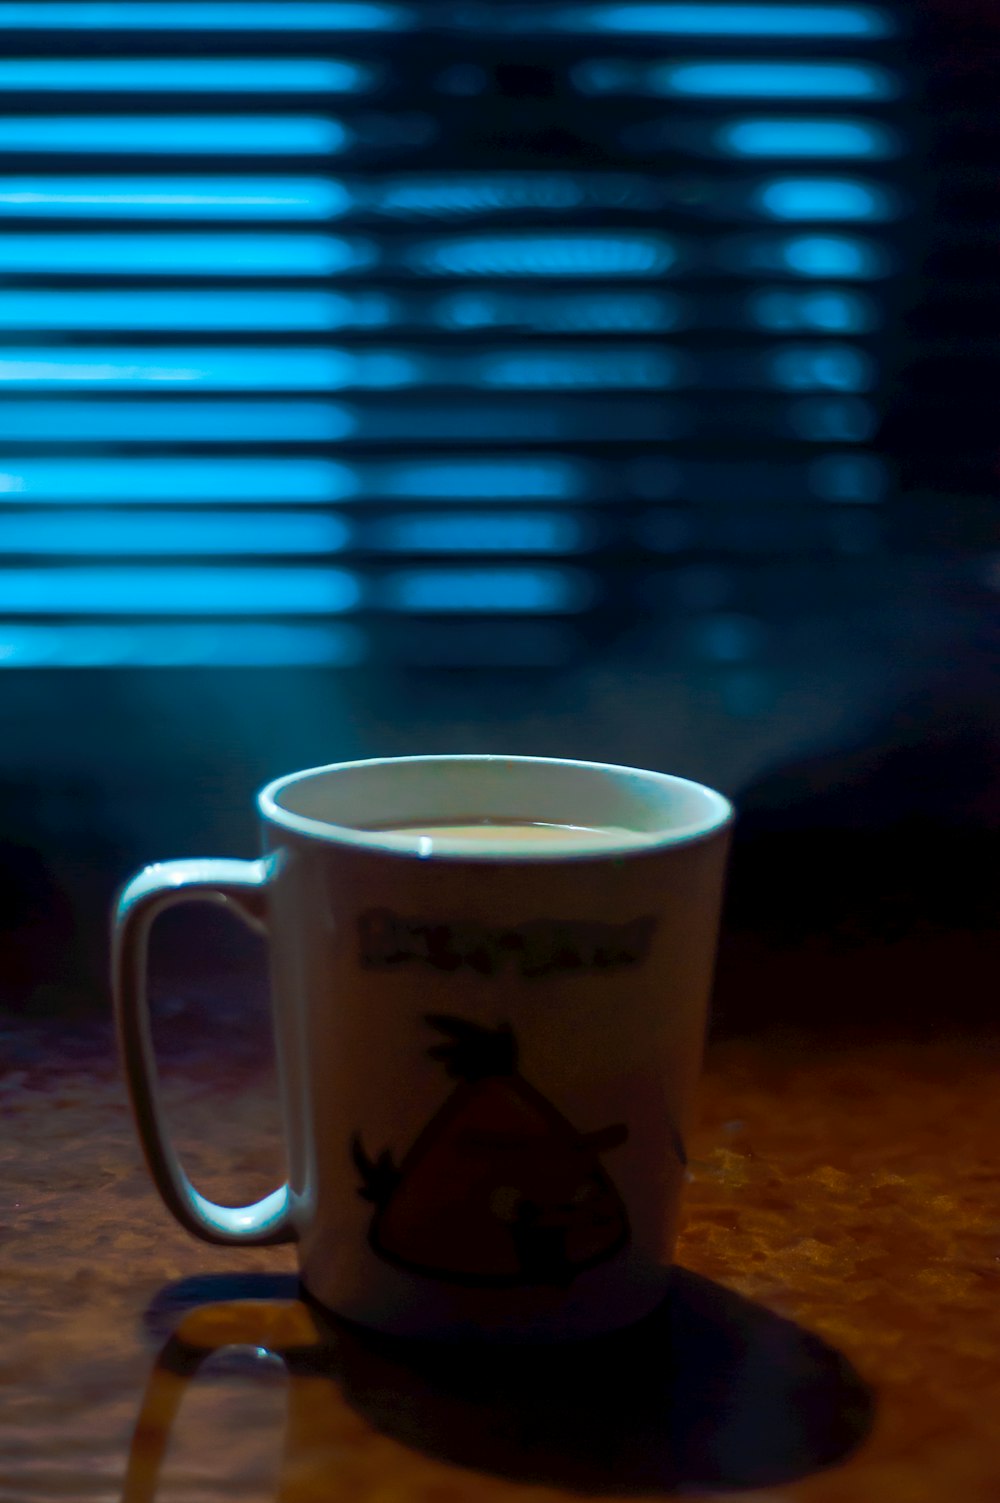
pixel 711 1390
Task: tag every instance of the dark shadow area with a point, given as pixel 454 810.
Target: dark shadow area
pixel 712 1390
pixel 171 1303
pixel 864 884
pixel 773 477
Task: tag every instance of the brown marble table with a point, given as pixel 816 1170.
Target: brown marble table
pixel 833 1336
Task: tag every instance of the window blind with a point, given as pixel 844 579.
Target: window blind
pixel 436 333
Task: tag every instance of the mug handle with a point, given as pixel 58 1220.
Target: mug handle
pixel 239 886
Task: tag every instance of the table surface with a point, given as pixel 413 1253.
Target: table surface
pixel 833 1335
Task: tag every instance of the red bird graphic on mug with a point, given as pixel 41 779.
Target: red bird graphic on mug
pixel 499 1189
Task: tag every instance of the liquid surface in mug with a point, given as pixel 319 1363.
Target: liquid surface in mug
pixel 484 832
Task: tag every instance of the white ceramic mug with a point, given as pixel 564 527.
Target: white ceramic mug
pixel 487 1057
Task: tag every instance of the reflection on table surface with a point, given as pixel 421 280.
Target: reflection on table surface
pixel 842 1201
pixel 711 1390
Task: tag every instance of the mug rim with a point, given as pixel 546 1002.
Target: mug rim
pixel 719 816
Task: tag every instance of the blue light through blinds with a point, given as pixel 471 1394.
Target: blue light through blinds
pixel 322 342
pixel 723 80
pixel 173 135
pixel 274 310
pixel 180 255
pixel 223 369
pixel 133 15
pixel 187 481
pixel 807 138
pixel 183 590
pixel 474 532
pixel 719 20
pixel 172 532
pixel 172 198
pixel 184 645
pixel 171 421
pixel 184 75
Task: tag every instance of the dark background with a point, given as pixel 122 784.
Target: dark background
pixel 832 666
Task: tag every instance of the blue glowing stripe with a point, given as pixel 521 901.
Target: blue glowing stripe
pixel 182 591
pixel 572 313
pixel 841 420
pixel 177 135
pixel 488 193
pixel 824 198
pixel 732 20
pixel 851 478
pixel 612 76
pixel 828 311
pixel 472 532
pixel 512 193
pixel 145 645
pixel 483 479
pixel 184 255
pixel 502 421
pixel 593 369
pixel 192 533
pixel 210 370
pixel 173 198
pixel 772 80
pixel 75 422
pixel 475 590
pixel 832 256
pixel 277 310
pixel 181 481
pixel 222 75
pixel 40 15
pixel 582 254
pixel 807 138
pixel 829 367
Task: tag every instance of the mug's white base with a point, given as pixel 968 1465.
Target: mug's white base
pixel 604 1300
